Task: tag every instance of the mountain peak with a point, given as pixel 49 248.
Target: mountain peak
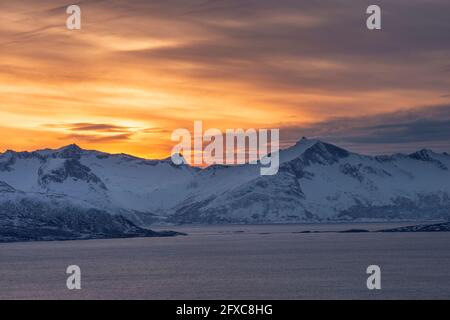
pixel 306 140
pixel 70 151
pixel 70 147
pixel 429 156
pixel 303 139
pixel 324 153
pixel 424 154
pixel 298 149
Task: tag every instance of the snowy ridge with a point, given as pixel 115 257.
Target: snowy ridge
pixel 316 181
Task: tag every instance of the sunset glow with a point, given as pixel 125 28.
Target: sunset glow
pixel 137 70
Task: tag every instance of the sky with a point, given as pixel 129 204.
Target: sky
pixel 137 70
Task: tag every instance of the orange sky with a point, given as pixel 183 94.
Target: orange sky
pixel 138 70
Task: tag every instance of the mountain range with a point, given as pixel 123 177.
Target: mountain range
pixel 92 192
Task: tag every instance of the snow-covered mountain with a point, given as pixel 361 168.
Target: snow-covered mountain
pixel 316 181
pixel 40 216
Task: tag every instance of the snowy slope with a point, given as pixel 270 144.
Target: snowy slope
pixel 316 182
pixel 37 216
pixel 116 183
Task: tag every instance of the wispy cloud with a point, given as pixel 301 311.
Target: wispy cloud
pixel 92 138
pixel 299 64
pixel 100 127
pixel 96 132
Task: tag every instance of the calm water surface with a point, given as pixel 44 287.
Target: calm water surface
pixel 234 262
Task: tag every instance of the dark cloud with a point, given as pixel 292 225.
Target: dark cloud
pixel 408 131
pixel 102 132
pixel 94 132
pixel 99 127
pixel 92 138
pixel 282 48
pixel 253 40
pixel 246 40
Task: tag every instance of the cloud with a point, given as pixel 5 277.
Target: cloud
pixel 255 46
pixel 101 127
pixel 254 39
pixel 406 131
pixel 96 138
pixel 94 132
pixel 101 132
pixel 157 130
pixel 310 65
pixel 86 126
